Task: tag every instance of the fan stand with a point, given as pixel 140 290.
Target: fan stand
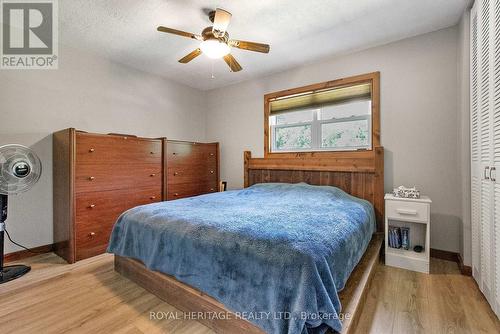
pixel 7 273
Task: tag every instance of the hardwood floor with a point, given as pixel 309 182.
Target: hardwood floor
pixel 402 301
pixel 85 297
pixel 90 297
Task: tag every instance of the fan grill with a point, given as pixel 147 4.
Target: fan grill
pixel 12 156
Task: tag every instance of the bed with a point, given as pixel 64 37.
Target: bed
pixel 290 253
pixel 287 254
pixel 277 254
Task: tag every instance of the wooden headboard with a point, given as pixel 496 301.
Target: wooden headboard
pixel 360 174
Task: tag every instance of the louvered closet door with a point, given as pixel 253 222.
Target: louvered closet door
pixel 485 148
pixel 476 174
pixel 496 154
pixel 482 75
pixel 485 110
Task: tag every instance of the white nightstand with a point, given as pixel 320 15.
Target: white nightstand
pixel 414 214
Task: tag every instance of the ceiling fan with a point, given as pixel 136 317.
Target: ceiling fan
pixel 215 42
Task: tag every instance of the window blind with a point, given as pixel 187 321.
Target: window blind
pixel 320 98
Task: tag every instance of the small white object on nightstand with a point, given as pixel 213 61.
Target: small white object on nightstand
pixel 415 214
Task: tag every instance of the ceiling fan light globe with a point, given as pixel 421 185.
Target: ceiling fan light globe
pixel 214 49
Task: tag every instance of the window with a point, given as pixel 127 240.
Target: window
pixel 292 131
pixel 345 126
pixel 340 121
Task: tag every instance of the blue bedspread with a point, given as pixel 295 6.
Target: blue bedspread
pixel 275 254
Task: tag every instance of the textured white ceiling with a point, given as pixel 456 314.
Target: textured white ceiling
pixel 298 31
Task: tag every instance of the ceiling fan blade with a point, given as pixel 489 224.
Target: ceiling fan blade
pixel 233 64
pixel 186 59
pixel 221 21
pixel 179 33
pixel 250 46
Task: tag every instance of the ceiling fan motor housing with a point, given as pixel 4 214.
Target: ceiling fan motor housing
pixel 207 34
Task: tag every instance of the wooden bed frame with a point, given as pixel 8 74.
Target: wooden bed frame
pixel 359 173
pixel 188 299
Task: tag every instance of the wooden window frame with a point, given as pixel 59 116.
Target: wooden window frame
pixel 371 78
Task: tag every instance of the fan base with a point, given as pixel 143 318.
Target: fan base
pixel 10 273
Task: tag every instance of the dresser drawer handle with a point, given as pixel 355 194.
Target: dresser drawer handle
pixel 211 172
pixel 91 206
pixel 212 189
pixel 153 175
pixel 176 194
pixel 407 212
pixel 151 152
pixel 152 197
pixel 91 234
pixel 91 178
pixel 211 154
pixel 92 150
pixel 174 153
pixel 176 173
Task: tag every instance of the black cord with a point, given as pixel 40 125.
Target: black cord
pixel 19 245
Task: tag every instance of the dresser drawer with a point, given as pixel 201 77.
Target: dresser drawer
pixel 99 177
pixel 209 187
pixel 210 174
pixel 212 164
pixel 146 196
pixel 184 153
pixel 93 205
pixel 186 174
pixel 102 207
pixel 183 190
pixel 407 210
pixel 212 155
pixel 97 212
pixel 92 233
pixel 91 240
pixel 210 151
pixel 104 149
pixel 195 174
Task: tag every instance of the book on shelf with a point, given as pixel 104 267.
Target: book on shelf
pixel 405 238
pixel 398 237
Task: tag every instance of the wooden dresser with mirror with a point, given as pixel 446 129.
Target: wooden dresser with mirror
pixel 96 177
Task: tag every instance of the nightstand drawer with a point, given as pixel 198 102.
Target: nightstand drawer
pixel 407 211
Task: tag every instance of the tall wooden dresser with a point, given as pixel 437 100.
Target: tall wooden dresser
pixel 96 178
pixel 192 169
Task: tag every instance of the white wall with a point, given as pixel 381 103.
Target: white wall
pixel 419 117
pixel 92 94
pixel 464 134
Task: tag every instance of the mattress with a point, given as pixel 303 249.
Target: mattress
pixel 275 254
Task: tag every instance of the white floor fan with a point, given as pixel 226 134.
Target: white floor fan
pixel 20 169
